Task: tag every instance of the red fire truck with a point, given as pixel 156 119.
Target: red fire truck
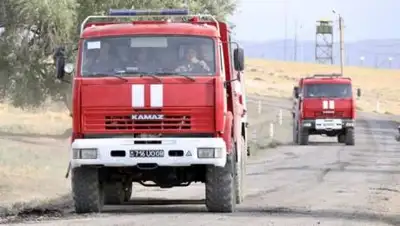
pixel 324 105
pixel 154 103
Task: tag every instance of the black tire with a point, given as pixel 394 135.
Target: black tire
pixel 341 138
pixel 128 191
pixel 240 170
pixel 295 134
pixel 303 136
pixel 87 191
pixel 350 136
pixel 114 193
pixel 220 187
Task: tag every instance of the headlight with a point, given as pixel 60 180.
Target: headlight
pixel 85 153
pixel 307 124
pixel 209 152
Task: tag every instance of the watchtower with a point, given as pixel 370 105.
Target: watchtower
pixel 324 42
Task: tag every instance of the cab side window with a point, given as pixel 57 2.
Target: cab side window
pixel 222 61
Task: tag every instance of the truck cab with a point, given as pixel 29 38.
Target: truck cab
pixel 324 104
pixel 154 103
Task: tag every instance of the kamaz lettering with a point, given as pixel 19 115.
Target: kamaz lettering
pixel 148 117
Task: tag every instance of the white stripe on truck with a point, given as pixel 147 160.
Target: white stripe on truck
pixel 325 104
pixel 328 104
pixel 331 104
pixel 137 95
pixel 156 95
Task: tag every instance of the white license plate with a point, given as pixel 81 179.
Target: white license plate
pixel 146 153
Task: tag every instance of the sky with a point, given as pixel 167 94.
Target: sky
pixel 264 20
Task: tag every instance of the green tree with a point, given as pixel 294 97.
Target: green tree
pixel 33 28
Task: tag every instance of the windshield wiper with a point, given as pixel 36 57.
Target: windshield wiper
pixel 142 74
pixel 175 73
pixel 106 74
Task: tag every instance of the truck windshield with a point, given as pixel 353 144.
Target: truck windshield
pixel 328 90
pixel 159 55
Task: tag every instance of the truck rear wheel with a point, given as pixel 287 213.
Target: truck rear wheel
pixel 87 191
pixel 128 191
pixel 350 137
pixel 303 136
pixel 240 170
pixel 114 193
pixel 220 187
pixel 341 138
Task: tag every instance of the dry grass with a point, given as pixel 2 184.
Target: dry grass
pixel 51 119
pixel 33 154
pixel 33 170
pixel 276 78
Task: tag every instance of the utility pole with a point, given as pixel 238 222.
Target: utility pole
pixel 295 42
pixel 186 4
pixel 285 41
pixel 341 44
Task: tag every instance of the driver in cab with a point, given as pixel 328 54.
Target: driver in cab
pixel 192 63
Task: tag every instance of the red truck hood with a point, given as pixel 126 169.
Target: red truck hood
pixel 108 105
pixel 327 108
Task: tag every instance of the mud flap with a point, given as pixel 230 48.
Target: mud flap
pixel 68 170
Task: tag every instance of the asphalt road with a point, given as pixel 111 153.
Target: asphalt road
pixel 324 183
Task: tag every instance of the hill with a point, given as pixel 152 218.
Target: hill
pixel 375 52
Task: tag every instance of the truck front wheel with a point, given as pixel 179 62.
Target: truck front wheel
pixel 87 191
pixel 303 136
pixel 220 187
pixel 240 170
pixel 350 137
pixel 114 193
pixel 341 138
pixel 295 133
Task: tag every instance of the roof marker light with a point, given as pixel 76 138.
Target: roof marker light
pixel 146 12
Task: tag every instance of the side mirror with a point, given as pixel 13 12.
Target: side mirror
pixel 238 59
pixel 59 60
pixel 296 92
pixel 358 92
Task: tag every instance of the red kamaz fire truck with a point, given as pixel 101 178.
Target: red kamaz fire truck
pixel 324 104
pixel 154 102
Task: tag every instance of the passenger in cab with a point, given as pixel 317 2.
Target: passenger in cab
pixel 100 60
pixel 206 53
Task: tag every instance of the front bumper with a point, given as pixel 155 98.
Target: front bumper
pixel 193 151
pixel 328 124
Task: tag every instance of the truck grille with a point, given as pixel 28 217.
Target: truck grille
pixel 329 114
pixel 177 122
pixel 148 120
